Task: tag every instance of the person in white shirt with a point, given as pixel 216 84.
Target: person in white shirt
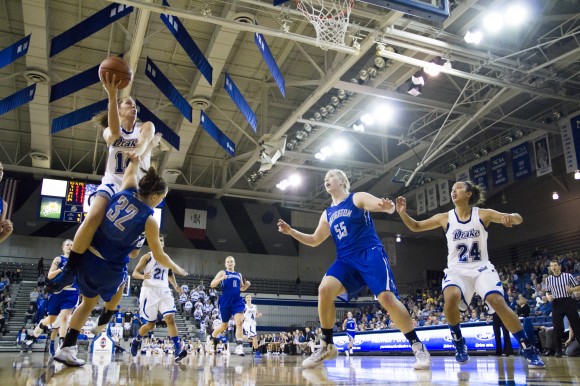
pixel 249 326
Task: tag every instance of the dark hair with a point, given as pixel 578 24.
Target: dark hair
pixel 101 119
pixel 151 183
pixel 555 261
pixel 477 193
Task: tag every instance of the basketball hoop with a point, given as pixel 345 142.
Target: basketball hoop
pixel 329 18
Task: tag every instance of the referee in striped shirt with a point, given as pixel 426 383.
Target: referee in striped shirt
pixel 559 286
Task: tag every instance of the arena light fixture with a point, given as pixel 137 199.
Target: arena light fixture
pixel 493 22
pixel 320 156
pixel 555 196
pixel 516 14
pixel 358 126
pixel 367 119
pixel 295 179
pixel 398 239
pixel 473 36
pixel 340 146
pixel 577 175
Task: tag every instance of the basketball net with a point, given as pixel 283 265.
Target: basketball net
pixel 329 18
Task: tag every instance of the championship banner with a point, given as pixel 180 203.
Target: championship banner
pixel 431 192
pixel 479 175
pixel 462 175
pixel 444 196
pixel 390 245
pixel 543 159
pixel 521 161
pixel 421 207
pixel 499 169
pixel 570 130
pixel 194 224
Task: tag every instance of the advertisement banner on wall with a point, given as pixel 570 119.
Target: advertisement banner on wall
pixel 478 336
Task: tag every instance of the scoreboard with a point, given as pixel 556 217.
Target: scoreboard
pixel 75 197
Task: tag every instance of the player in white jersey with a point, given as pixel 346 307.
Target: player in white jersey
pixel 123 133
pixel 249 326
pixel 468 267
pixel 156 297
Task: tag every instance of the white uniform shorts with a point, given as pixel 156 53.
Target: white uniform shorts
pixel 482 279
pixel 153 300
pixel 249 329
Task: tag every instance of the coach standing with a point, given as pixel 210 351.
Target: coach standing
pixel 559 285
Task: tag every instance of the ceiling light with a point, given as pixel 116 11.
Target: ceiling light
pixel 295 179
pixel 301 135
pixel 326 150
pixel 320 156
pixel 367 119
pixel 418 79
pixel 577 175
pixel 516 14
pixel 414 90
pixel 335 101
pixel 340 146
pixel 383 113
pixel 518 134
pixel 493 22
pixel 323 112
pixel 555 196
pixel 432 69
pixel 341 95
pixel 372 72
pixel 358 127
pixel 398 239
pixel 330 109
pixel 447 64
pixel 473 36
pixel 379 62
pixel 282 185
pixel 317 117
pixel 363 75
pixel 307 127
pixel 452 167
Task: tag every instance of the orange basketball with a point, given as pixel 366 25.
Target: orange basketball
pixel 119 67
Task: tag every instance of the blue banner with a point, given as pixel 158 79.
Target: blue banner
pixel 164 85
pixel 478 336
pixel 499 169
pixel 160 127
pixel 88 27
pixel 570 133
pixel 479 175
pixel 17 99
pixel 217 135
pixel 78 116
pixel 278 2
pixel 178 30
pixel 521 161
pixel 75 83
pixel 240 101
pixel 270 62
pixel 15 51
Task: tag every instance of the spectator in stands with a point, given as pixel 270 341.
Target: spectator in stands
pixel 188 306
pixel 40 266
pixel 522 309
pixel 572 345
pixel 29 315
pixel 298 286
pixel 41 281
pixel 135 325
pixel 6 282
pixel 3 324
pixel 34 297
pixel 23 340
pixel 544 308
pixel 546 335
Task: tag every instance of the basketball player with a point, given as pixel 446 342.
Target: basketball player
pixel 349 326
pixel 103 269
pixel 156 297
pixel 60 304
pixel 230 302
pixel 5 224
pixel 361 260
pixel 249 326
pixel 468 267
pixel 122 133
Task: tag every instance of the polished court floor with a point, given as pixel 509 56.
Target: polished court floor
pixel 38 369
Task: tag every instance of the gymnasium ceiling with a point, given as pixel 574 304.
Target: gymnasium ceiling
pixel 508 85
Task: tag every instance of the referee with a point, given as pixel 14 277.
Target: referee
pixel 558 288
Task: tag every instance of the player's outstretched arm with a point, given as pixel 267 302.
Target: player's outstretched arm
pixel 320 234
pixel 439 220
pixel 145 142
pixel 111 133
pixel 152 235
pixel 507 219
pixel 371 203
pixel 130 177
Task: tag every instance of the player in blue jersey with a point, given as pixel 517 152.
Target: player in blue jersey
pixel 360 261
pixel 5 224
pixel 60 304
pixel 230 302
pixel 123 133
pixel 468 267
pixel 102 271
pixel 349 326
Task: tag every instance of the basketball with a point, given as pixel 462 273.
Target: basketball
pixel 118 67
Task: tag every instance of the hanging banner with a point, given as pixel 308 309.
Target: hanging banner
pixel 431 192
pixel 543 159
pixel 236 95
pixel 499 169
pixel 15 51
pixel 17 99
pixel 270 62
pixel 75 83
pixel 78 116
pixel 479 175
pixel 211 128
pixel 462 175
pixel 421 207
pixel 521 164
pixel 570 129
pixel 444 196
pixel 168 89
pixel 390 245
pixel 160 127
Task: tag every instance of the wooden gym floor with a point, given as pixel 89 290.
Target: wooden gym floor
pixel 39 369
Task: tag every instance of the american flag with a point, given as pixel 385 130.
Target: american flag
pixel 8 189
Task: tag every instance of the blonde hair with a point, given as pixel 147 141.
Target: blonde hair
pixel 342 177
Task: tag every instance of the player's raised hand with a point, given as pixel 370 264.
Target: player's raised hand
pixel 507 220
pixel 283 227
pixel 6 226
pixel 401 205
pixel 111 84
pixel 387 205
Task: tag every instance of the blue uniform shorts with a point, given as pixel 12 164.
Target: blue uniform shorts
pixel 350 334
pixel 230 306
pixel 369 267
pixel 64 300
pixel 99 277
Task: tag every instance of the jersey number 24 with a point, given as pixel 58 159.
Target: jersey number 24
pixel 466 253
